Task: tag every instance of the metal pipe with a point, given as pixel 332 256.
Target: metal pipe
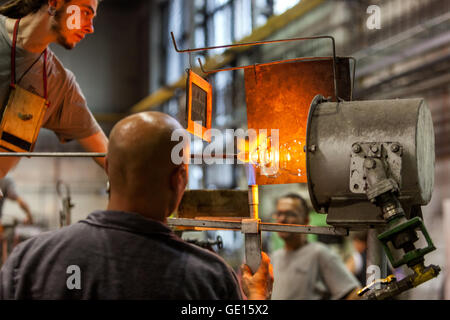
pixel 253 242
pixel 255 43
pixel 53 154
pixel 261 64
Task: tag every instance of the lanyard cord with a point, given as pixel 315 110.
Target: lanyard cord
pixel 24 74
pixel 13 61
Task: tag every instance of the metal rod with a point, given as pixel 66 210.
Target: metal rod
pixel 353 79
pixel 255 43
pixel 276 227
pixel 53 154
pixel 215 156
pixel 263 226
pixel 261 64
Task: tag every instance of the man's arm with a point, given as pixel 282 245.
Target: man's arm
pixel 24 206
pixel 98 142
pixel 7 163
pixel 340 282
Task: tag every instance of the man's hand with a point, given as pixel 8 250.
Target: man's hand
pixel 26 209
pixel 28 220
pixel 258 286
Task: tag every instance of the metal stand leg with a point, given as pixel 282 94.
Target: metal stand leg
pixel 250 227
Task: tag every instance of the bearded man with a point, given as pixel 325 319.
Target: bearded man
pixel 27 28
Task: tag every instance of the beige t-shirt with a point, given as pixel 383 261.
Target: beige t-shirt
pixel 68 115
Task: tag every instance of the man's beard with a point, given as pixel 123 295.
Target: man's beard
pixel 63 42
pixel 56 27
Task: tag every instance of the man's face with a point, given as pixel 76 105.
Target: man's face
pixel 289 211
pixel 71 28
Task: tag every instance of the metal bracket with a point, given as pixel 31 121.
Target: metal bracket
pixel 382 187
pixel 250 226
pixel 390 153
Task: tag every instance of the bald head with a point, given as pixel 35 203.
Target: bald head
pixel 139 162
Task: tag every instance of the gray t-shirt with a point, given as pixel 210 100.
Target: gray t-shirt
pixel 119 255
pixel 8 188
pixel 68 115
pixel 312 272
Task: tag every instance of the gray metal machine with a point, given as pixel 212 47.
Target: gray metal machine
pixel 371 164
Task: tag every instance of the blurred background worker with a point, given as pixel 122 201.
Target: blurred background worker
pixel 356 263
pixel 8 188
pixel 303 270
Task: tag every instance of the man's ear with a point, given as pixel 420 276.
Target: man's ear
pixel 175 178
pixel 307 219
pixel 55 3
pixel 184 173
pixel 179 178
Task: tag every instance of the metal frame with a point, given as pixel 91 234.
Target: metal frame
pixel 257 43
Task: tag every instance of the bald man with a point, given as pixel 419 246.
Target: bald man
pixel 127 251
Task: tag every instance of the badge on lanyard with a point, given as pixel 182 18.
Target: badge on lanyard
pixel 24 112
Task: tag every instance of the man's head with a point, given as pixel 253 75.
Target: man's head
pixel 70 20
pixel 360 240
pixel 143 178
pixel 291 209
pixel 64 22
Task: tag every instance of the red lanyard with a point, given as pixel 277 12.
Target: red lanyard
pixel 13 61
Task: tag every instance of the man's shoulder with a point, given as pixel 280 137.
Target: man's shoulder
pixel 6 181
pixel 318 248
pixel 48 238
pixel 277 254
pixel 58 68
